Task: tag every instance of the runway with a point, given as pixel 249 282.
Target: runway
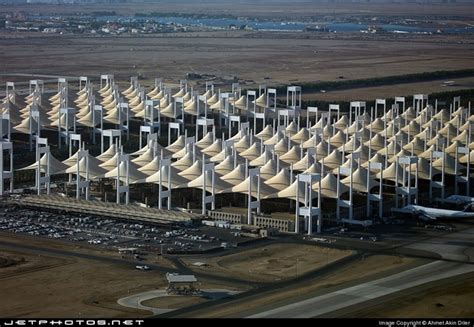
pixel 343 298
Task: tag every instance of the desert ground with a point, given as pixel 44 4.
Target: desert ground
pixel 271 263
pixel 80 288
pixel 67 282
pixel 95 285
pixel 252 58
pixel 391 91
pixel 249 57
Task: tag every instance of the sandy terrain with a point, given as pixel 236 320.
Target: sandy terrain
pixel 52 287
pixel 363 269
pixel 253 58
pixel 390 91
pixel 271 263
pixel 13 264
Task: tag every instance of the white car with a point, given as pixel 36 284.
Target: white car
pixel 142 267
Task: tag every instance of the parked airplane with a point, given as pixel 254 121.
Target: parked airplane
pixel 461 199
pixel 427 213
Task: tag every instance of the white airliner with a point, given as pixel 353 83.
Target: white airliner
pixel 427 213
pixel 461 199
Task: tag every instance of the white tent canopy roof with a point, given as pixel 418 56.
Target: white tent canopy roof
pixel 280 181
pixel 176 180
pixel 151 167
pixel 95 172
pixel 192 172
pixel 243 187
pixel 107 154
pixel 265 133
pixel 177 145
pixel 226 166
pixel 55 166
pixel 292 156
pixel 219 184
pixel 359 180
pixel 213 149
pixel 329 187
pixel 236 176
pixel 206 141
pixel 134 174
pixel 252 153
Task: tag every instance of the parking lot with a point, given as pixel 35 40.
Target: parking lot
pixel 120 234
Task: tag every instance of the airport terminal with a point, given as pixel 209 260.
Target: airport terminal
pixel 244 156
pixel 237 159
pixel 203 193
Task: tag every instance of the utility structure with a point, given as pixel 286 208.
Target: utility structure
pixel 408 191
pixel 42 148
pixel 82 182
pixel 6 147
pixel 207 169
pixel 252 175
pixel 123 160
pixel 308 211
pixel 165 164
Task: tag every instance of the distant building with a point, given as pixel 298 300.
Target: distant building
pixel 181 284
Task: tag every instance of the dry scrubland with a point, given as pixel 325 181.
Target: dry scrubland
pixel 51 287
pixel 271 263
pixel 55 286
pixel 390 91
pixel 273 58
pixel 252 57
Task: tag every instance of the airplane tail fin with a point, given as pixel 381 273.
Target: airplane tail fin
pixel 467 207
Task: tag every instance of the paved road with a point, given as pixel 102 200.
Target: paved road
pixel 454 246
pixel 343 298
pixel 135 301
pixel 130 263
